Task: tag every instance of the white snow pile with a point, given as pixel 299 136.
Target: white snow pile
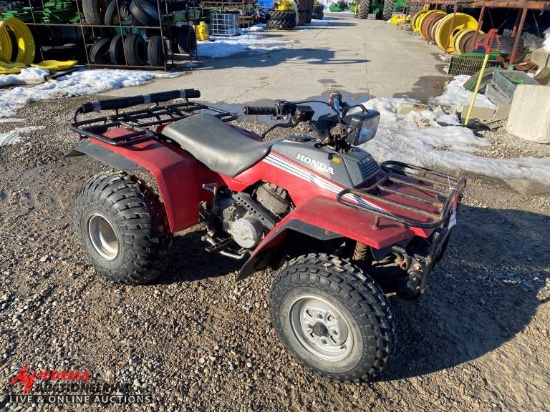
pixel 456 95
pixel 78 83
pixel 219 46
pixel 30 75
pixel 417 137
pixel 252 29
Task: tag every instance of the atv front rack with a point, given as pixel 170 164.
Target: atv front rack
pixel 408 191
pixel 142 124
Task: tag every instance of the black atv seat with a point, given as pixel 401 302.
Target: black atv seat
pixel 216 144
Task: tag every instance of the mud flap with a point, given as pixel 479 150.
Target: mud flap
pixel 259 260
pixel 104 155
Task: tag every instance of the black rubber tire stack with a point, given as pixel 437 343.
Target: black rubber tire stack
pixel 135 50
pixel 317 12
pixel 309 14
pixel 116 50
pixel 94 10
pixel 145 12
pixel 132 49
pixel 155 52
pixel 303 9
pixel 116 14
pixel 281 20
pixel 186 40
pixel 99 53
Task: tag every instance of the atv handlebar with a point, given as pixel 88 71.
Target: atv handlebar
pixel 125 102
pixel 260 110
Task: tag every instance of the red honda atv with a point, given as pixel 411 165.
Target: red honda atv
pixel 341 230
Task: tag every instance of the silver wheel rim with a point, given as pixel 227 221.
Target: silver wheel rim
pixel 321 328
pixel 103 237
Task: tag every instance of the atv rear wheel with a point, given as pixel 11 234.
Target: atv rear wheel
pixel 332 317
pixel 123 228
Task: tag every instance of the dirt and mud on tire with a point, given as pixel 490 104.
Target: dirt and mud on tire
pixel 332 317
pixel 122 227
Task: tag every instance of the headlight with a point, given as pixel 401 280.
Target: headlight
pixel 363 127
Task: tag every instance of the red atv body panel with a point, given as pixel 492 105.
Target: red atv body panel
pixel 177 173
pixel 180 178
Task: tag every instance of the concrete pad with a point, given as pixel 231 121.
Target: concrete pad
pixel 362 57
pixel 484 114
pixel 529 117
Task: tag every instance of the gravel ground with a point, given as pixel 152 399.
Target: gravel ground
pixel 197 340
pixel 506 146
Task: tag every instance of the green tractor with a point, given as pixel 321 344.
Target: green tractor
pixel 384 7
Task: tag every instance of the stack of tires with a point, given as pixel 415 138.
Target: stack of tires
pixel 120 12
pixel 131 50
pixel 305 9
pixel 317 12
pixel 142 50
pixel 281 19
pixel 123 46
pixel 362 8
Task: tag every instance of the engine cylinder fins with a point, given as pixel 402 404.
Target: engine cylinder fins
pixel 273 198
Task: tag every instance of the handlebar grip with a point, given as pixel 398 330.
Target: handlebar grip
pixel 260 110
pixel 124 102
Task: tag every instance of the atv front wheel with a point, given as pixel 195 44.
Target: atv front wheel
pixel 123 228
pixel 332 317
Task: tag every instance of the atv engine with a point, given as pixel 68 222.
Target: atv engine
pixel 245 229
pixel 246 218
pixel 273 198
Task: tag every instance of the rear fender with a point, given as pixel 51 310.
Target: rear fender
pixel 177 174
pixel 325 218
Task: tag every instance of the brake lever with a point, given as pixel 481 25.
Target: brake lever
pixel 288 124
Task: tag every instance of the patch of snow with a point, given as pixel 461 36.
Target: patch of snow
pixel 418 138
pixel 227 46
pixel 456 95
pixel 253 29
pixel 78 83
pixel 31 75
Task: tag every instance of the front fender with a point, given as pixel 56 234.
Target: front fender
pixel 325 218
pixel 176 172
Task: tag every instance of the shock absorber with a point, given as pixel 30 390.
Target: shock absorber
pixel 360 253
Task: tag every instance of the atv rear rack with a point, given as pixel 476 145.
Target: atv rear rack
pixel 142 124
pixel 441 193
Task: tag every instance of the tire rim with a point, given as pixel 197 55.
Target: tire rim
pixel 321 328
pixel 103 237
